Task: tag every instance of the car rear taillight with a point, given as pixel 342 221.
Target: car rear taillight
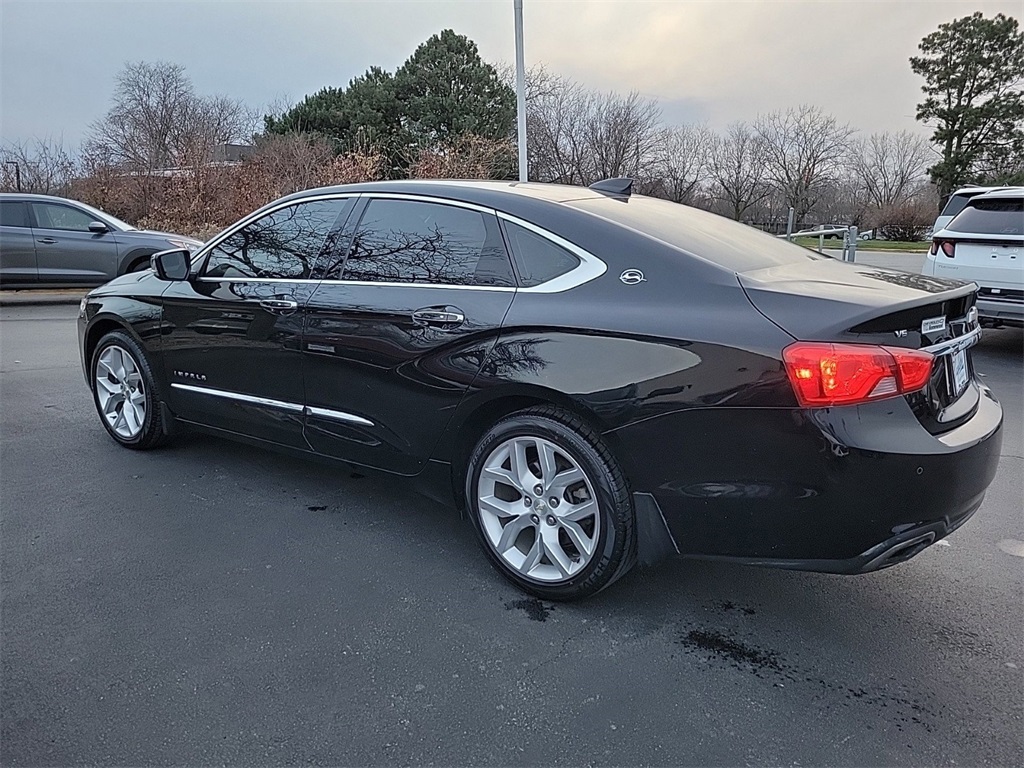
pixel 948 247
pixel 824 374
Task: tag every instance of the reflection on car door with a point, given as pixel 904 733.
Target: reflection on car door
pixel 397 332
pixel 231 349
pixel 66 251
pixel 17 245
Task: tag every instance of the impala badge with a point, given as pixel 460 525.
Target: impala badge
pixel 632 277
pixel 933 324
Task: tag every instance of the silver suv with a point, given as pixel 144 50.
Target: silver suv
pixel 50 241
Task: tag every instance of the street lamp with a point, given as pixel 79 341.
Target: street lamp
pixel 520 89
pixel 17 173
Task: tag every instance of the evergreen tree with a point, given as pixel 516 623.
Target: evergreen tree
pixel 973 68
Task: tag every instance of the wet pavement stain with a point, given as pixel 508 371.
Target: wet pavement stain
pixel 769 665
pixel 726 605
pixel 316 508
pixel 534 608
pixel 724 647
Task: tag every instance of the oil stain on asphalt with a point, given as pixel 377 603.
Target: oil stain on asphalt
pixel 714 645
pixel 534 608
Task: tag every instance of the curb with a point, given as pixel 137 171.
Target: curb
pixel 29 298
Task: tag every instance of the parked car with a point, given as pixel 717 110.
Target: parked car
pixel 597 377
pixel 958 201
pixel 50 241
pixel 833 234
pixel 985 243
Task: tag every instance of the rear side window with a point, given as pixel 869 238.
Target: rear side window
pixel 537 258
pixel 1003 216
pixel 282 245
pixel 406 241
pixel 955 204
pixel 13 214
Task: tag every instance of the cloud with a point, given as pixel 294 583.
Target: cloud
pixel 707 61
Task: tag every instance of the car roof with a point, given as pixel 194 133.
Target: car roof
pixel 975 190
pixel 471 191
pixel 1001 193
pixel 32 196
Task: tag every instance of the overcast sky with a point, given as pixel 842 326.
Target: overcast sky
pixel 715 61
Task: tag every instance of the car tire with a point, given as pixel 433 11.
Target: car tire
pixel 125 394
pixel 560 533
pixel 138 265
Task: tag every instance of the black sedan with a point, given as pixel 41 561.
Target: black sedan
pixel 596 377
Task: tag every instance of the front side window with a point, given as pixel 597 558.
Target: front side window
pixel 52 216
pixel 537 258
pixel 995 216
pixel 406 241
pixel 284 244
pixel 12 214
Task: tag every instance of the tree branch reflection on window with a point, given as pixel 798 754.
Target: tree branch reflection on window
pixel 283 244
pixel 413 242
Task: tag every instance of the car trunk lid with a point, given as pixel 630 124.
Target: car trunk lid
pixel 839 302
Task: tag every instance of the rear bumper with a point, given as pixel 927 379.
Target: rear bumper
pixel 842 490
pixel 994 313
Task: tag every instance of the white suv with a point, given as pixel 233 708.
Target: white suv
pixel 984 243
pixel 958 201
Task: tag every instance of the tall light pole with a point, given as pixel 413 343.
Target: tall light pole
pixel 520 90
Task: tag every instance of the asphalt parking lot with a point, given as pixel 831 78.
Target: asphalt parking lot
pixel 211 603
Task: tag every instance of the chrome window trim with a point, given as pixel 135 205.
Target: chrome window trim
pixel 294 407
pixel 590 267
pixel 327 413
pixel 203 252
pixel 427 199
pixel 383 284
pixel 299 280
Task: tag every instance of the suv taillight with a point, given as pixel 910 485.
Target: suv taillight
pixel 948 247
pixel 824 374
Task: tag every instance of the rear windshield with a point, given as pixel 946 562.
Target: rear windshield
pixel 1003 216
pixel 722 241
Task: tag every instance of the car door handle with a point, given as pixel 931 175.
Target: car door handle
pixel 280 306
pixel 438 317
pixel 47 240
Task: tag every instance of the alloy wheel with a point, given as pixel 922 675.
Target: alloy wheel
pixel 538 509
pixel 120 392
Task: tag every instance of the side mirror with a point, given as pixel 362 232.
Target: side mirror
pixel 174 264
pixel 98 227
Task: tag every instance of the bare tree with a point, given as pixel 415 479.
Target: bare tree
pixel 158 122
pixel 44 167
pixel 736 169
pixel 556 118
pixel 577 135
pixel 890 166
pixel 624 135
pixel 680 163
pixel 804 150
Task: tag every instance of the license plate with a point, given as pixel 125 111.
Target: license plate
pixel 959 371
